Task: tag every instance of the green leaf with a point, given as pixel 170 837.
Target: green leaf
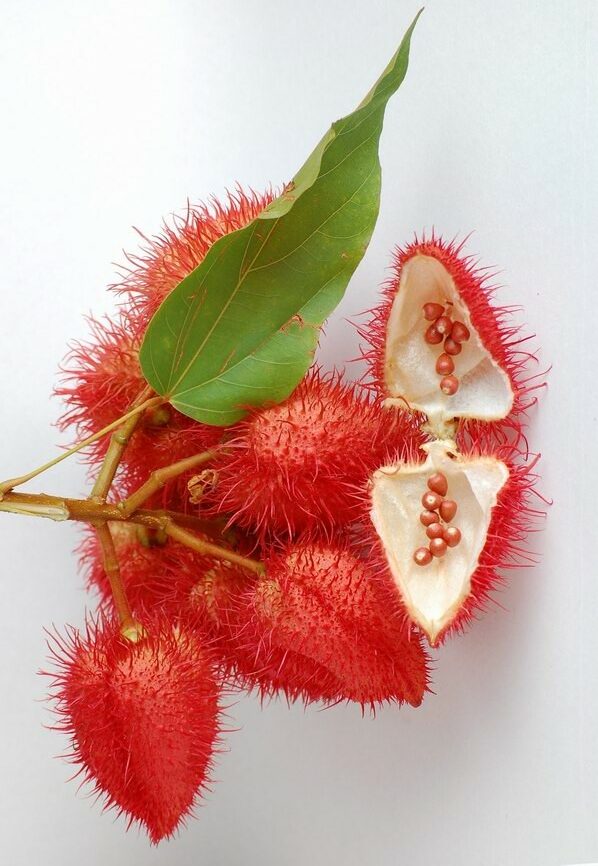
pixel 242 329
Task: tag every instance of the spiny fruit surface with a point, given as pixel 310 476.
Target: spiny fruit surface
pixel 316 627
pixel 143 718
pixel 437 343
pixel 101 377
pixel 291 467
pixel 441 554
pixel 101 380
pixel 161 575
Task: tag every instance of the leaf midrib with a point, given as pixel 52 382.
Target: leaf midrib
pixel 262 342
pixel 249 270
pixel 225 307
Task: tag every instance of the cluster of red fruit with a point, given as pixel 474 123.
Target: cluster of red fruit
pixel 300 487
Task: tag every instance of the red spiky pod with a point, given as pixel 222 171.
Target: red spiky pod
pixel 437 344
pixel 160 575
pixel 143 718
pixel 441 527
pixel 317 627
pixel 292 467
pixel 156 572
pixel 101 377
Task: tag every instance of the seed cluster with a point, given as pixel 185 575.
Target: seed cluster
pixel 442 328
pixel 436 517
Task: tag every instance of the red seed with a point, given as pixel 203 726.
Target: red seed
pixel 451 535
pixel 443 325
pixel 438 547
pixel 431 501
pixel 460 333
pixel 433 336
pixel 435 530
pixel 438 483
pixel 444 364
pixel 448 509
pixel 428 517
pixel 449 385
pixel 433 311
pixel 422 556
pixel 451 347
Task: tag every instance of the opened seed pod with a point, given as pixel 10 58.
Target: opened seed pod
pixel 447 518
pixel 438 345
pixel 441 558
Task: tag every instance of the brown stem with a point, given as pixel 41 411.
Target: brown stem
pixel 159 478
pixel 118 442
pixel 130 628
pixel 7 486
pixel 86 510
pixel 209 549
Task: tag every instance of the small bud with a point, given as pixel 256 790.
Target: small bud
pixel 452 536
pixel 443 325
pixel 448 509
pixel 428 517
pixel 444 364
pixel 435 530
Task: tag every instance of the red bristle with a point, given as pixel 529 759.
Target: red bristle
pixel 502 338
pixel 143 718
pixel 293 466
pixel 162 575
pixel 100 381
pixel 317 628
pixel 513 519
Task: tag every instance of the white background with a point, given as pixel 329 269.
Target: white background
pixel 112 113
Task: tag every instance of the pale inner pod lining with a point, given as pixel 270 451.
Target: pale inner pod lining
pixel 485 390
pixel 433 594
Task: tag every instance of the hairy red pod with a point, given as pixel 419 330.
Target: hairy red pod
pixel 100 381
pixel 143 718
pixel 317 627
pixel 493 512
pixel 159 574
pixel 494 386
pixel 292 467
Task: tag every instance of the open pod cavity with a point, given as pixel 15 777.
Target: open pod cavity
pixel 435 360
pixel 438 344
pixel 447 518
pixel 432 519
